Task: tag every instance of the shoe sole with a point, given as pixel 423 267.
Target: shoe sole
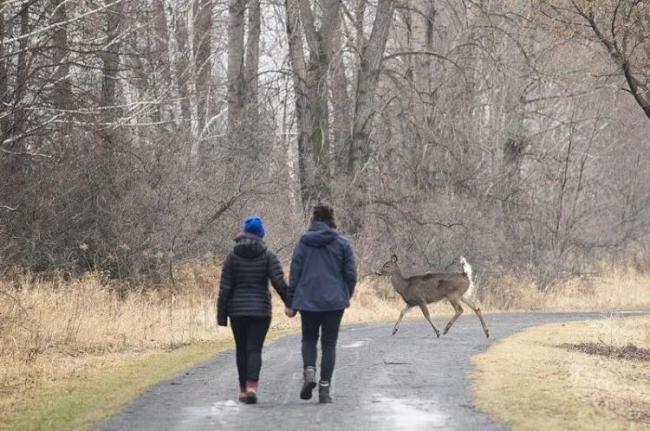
pixel 251 399
pixel 305 393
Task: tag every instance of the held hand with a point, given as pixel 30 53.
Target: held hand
pixel 289 312
pixel 222 321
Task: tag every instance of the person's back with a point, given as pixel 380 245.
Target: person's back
pixel 244 297
pixel 322 280
pixel 249 261
pixel 323 273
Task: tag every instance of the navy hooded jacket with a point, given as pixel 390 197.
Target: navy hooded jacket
pixel 323 271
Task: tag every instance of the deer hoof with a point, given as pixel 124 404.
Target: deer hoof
pixel 437 334
pixel 394 331
pixel 487 334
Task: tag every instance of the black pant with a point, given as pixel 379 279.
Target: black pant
pixel 249 333
pixel 329 323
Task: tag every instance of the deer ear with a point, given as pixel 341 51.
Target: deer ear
pixel 394 258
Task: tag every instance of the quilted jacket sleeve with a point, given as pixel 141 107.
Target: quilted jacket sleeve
pixel 276 275
pixel 225 287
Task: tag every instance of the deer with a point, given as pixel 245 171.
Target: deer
pixel 421 290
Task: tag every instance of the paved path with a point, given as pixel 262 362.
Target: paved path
pixel 410 381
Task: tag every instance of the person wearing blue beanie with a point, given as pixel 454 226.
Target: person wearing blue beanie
pixel 254 225
pixel 244 298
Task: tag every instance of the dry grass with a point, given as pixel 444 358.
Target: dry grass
pixel 53 329
pixel 614 290
pixel 82 399
pixel 532 382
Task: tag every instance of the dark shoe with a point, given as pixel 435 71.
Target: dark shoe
pixel 309 375
pixel 324 393
pixel 242 393
pixel 251 392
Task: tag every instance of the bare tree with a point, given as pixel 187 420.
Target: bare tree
pixel 370 65
pixel 4 89
pixel 310 77
pixel 202 48
pixel 60 39
pixel 621 27
pixel 182 66
pixel 135 134
pixel 162 61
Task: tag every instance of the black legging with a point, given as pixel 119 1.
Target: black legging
pixel 249 332
pixel 329 322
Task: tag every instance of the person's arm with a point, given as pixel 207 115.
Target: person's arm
pixel 276 275
pixel 349 268
pixel 294 273
pixel 225 287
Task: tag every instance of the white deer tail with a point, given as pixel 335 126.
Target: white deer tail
pixel 467 269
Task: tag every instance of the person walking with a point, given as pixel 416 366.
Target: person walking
pixel 244 297
pixel 321 282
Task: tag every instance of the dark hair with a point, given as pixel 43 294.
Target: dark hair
pixel 324 213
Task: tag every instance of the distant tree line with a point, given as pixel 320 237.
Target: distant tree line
pixel 134 134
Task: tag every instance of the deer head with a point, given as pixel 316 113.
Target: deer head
pixel 389 267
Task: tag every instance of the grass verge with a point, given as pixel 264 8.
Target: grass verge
pixel 102 389
pixel 535 381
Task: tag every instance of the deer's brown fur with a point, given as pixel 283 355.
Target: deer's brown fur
pixel 426 289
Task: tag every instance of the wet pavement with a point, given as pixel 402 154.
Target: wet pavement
pixel 410 381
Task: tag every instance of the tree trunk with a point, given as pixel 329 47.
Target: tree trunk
pixel 312 94
pixel 359 43
pixel 244 149
pixel 423 38
pixel 202 12
pixel 252 66
pixel 297 62
pixel 19 116
pixel 236 30
pixel 510 200
pixel 369 70
pixel 62 83
pixel 62 86
pixel 317 93
pixel 4 88
pixel 341 104
pixel 110 68
pixel 162 61
pixel 182 69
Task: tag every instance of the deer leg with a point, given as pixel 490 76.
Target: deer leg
pixel 477 310
pixel 425 311
pixel 401 316
pixel 458 309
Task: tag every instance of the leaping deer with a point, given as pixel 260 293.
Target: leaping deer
pixel 426 289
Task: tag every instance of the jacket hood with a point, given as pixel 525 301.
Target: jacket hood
pixel 319 235
pixel 249 246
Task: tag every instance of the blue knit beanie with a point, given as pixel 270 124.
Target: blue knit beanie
pixel 254 225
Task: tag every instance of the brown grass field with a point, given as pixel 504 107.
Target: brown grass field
pixel 53 331
pixel 534 380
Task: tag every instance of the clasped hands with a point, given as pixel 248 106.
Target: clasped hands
pixel 289 312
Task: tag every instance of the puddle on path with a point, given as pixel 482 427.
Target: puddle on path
pixel 354 345
pixel 399 414
pixel 197 417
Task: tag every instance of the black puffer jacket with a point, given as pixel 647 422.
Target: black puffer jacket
pixel 244 287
